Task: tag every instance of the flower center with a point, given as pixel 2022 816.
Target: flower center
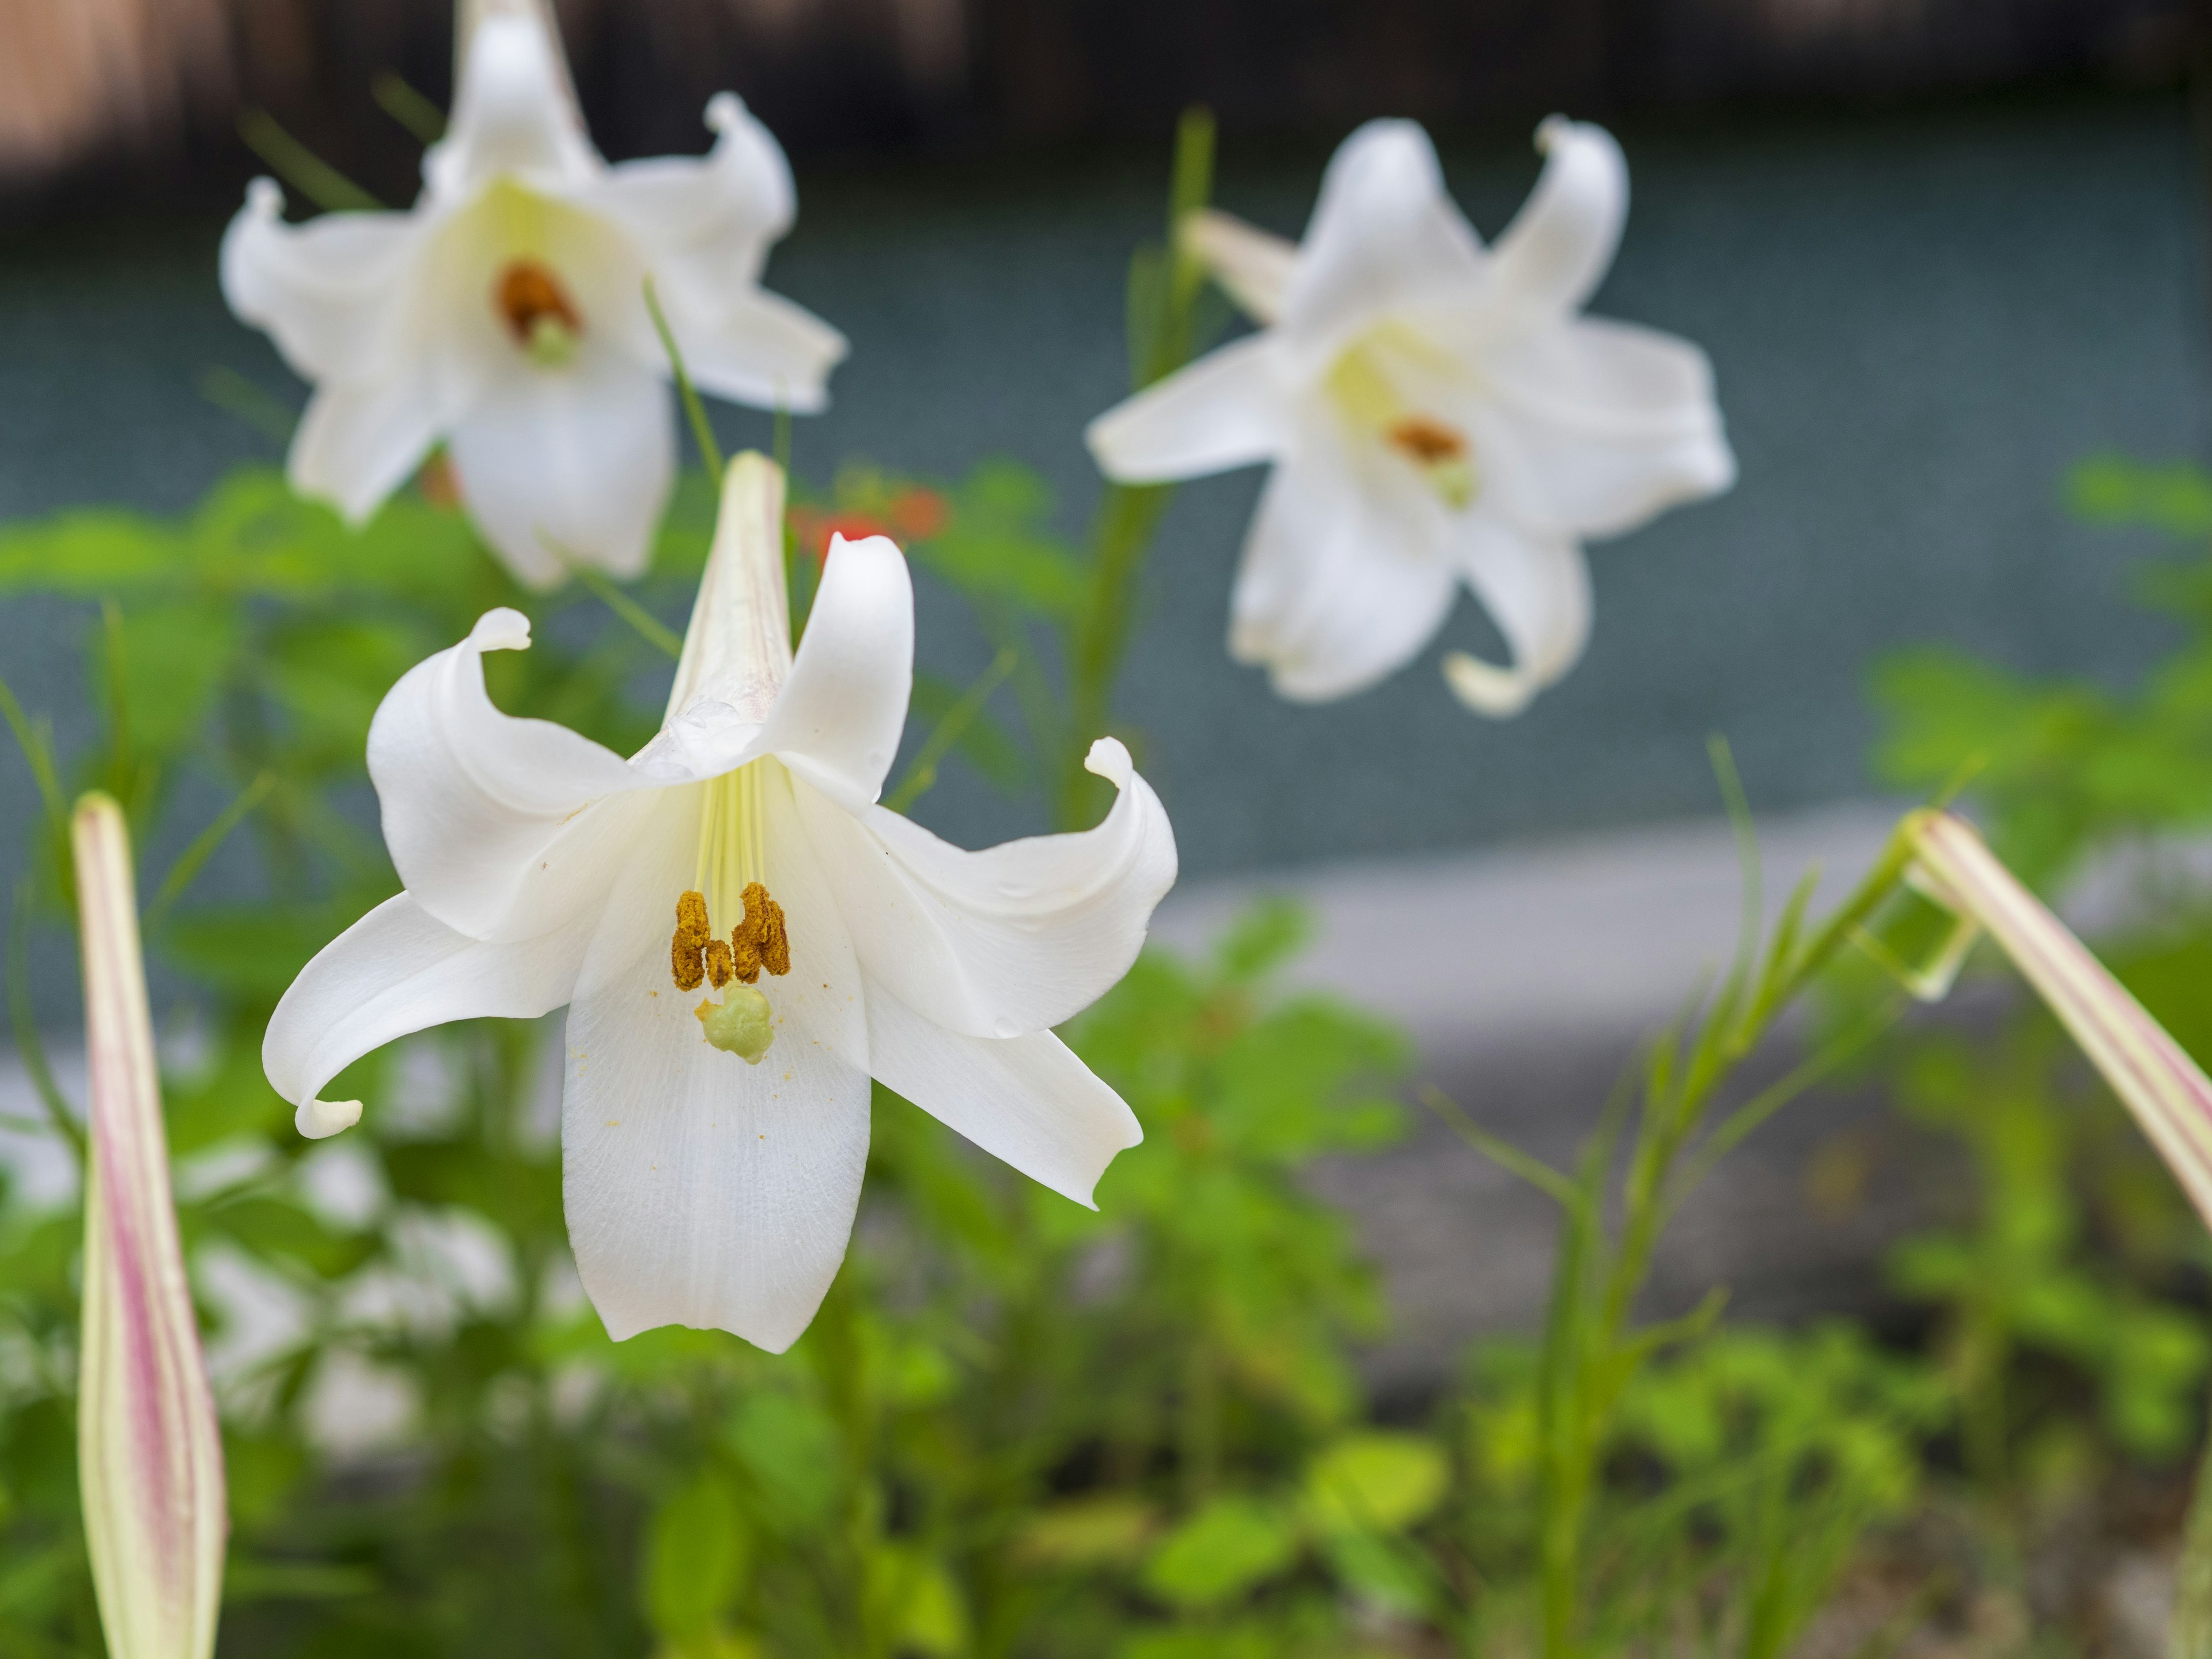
pixel 1368 383
pixel 729 868
pixel 538 311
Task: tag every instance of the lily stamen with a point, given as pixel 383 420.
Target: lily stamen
pixel 538 311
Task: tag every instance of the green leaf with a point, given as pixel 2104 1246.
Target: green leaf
pixel 793 1451
pixel 1232 1546
pixel 697 1554
pixel 1109 1529
pixel 1374 1481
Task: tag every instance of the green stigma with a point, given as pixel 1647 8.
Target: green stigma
pixel 552 342
pixel 739 1025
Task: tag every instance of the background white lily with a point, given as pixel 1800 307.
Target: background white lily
pixel 708 1183
pixel 1437 413
pixel 504 312
pixel 150 1455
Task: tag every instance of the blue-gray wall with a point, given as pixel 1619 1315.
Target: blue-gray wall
pixel 1919 320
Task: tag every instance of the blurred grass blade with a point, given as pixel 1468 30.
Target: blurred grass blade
pixel 702 431
pixel 30 1047
pixel 149 1456
pixel 37 754
pixel 921 776
pixel 203 847
pixel 649 627
pixel 301 167
pixel 232 393
pixel 399 99
pixel 1504 1153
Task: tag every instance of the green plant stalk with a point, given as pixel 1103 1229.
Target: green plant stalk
pixel 1163 294
pixel 2190 1634
pixel 1589 1354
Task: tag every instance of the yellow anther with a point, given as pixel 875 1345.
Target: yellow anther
pixel 686 949
pixel 719 966
pixel 762 939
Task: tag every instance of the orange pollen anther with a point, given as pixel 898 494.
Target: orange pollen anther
pixel 1430 442
pixel 760 940
pixel 528 294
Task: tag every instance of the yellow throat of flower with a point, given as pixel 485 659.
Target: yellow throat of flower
pixel 1366 393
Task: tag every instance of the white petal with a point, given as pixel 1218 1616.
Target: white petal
pixel 1344 577
pixel 701 1190
pixel 1556 251
pixel 757 347
pixel 334 294
pixel 1596 427
pixel 398 970
pixel 1027 1101
pixel 579 458
pixel 513 111
pixel 723 209
pixel 1383 234
pixel 1254 265
pixel 1225 410
pixel 838 721
pixel 1009 940
pixel 480 808
pixel 361 440
pixel 1536 588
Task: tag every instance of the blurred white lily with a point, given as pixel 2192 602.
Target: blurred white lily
pixel 150 1455
pixel 504 312
pixel 732 893
pixel 1436 412
pixel 2162 1086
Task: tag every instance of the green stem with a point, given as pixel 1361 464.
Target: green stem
pixel 1588 1355
pixel 1165 289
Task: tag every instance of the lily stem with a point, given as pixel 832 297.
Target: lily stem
pixel 1165 285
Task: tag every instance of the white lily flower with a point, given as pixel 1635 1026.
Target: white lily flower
pixel 715 1109
pixel 150 1455
pixel 504 312
pixel 1436 412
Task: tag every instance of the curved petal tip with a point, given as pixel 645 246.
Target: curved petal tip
pixel 1496 693
pixel 502 629
pixel 318 1120
pixel 1109 760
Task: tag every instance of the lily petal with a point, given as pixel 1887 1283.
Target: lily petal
pixel 1341 583
pixel 758 348
pixel 396 971
pixel 1383 234
pixel 1601 425
pixel 569 464
pixel 838 723
pixel 1027 1101
pixel 1559 247
pixel 701 1190
pixel 1009 940
pixel 1228 409
pixel 360 441
pixel 334 294
pixel 513 111
pixel 474 800
pixel 1537 590
pixel 1253 265
pixel 150 1455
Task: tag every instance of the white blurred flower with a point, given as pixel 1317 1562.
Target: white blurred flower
pixel 150 1455
pixel 742 936
pixel 1436 413
pixel 505 314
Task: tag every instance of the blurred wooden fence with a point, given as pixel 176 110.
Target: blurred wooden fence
pixel 150 89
